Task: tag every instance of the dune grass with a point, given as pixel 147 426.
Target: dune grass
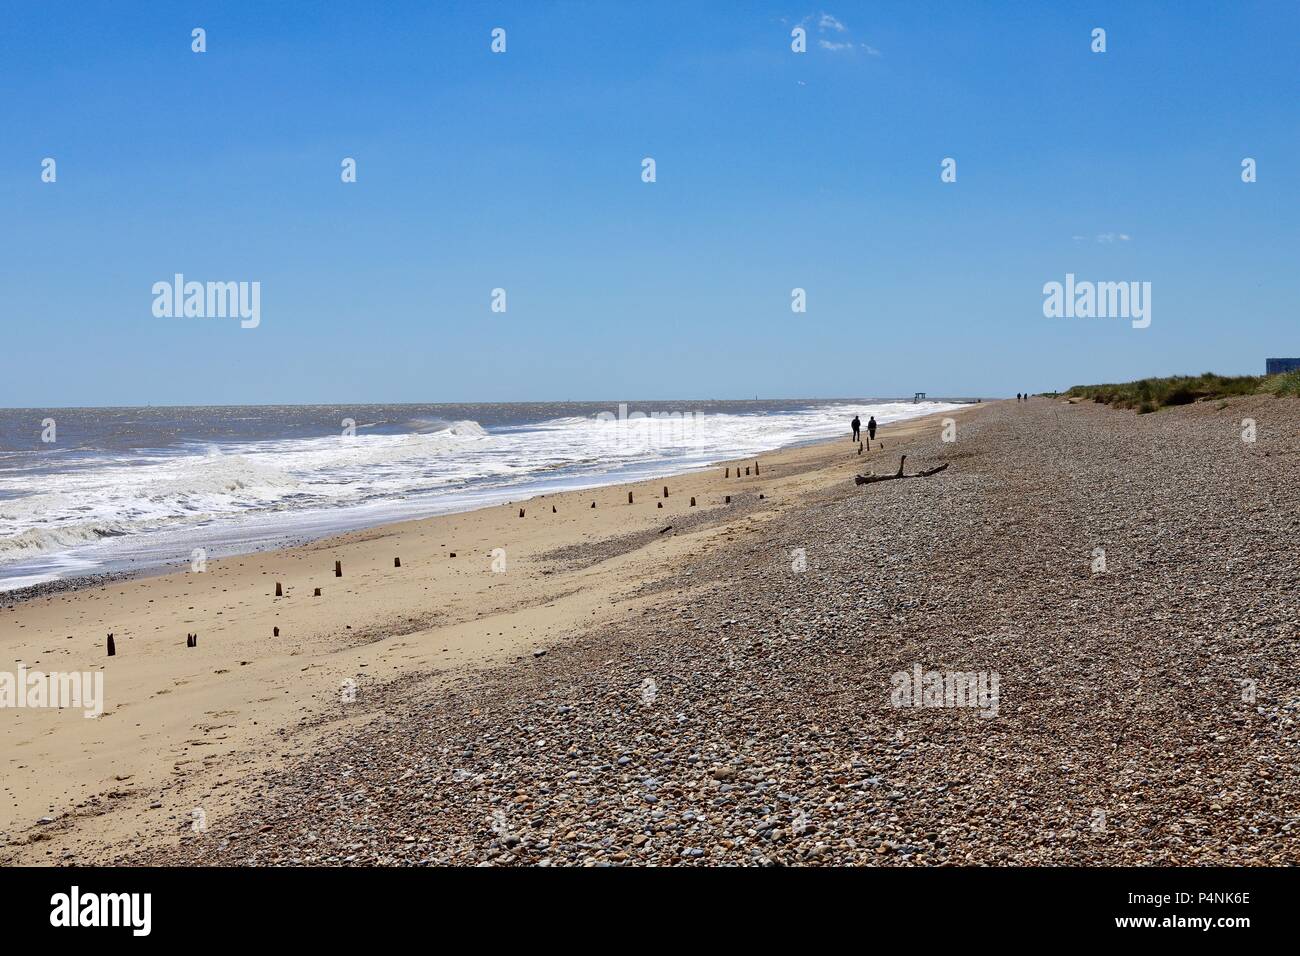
pixel 1288 383
pixel 1148 394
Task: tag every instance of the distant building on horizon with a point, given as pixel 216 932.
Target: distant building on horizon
pixel 1276 366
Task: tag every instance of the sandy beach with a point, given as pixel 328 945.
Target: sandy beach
pixel 187 729
pixel 713 684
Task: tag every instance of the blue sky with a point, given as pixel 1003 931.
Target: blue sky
pixel 522 170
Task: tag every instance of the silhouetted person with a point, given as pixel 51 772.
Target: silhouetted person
pixel 871 428
pixel 857 424
pixel 1017 396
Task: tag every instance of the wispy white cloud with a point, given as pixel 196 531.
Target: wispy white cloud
pixel 1105 237
pixel 828 23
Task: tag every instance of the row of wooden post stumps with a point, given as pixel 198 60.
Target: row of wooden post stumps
pixel 631 500
pixel 338 573
pixel 192 640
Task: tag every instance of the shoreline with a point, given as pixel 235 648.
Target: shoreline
pixel 181 725
pixel 341 525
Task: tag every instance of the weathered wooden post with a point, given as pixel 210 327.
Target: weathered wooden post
pixel 397 562
pixel 279 589
pixel 338 569
pixel 112 648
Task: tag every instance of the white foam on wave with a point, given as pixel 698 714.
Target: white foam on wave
pixel 89 504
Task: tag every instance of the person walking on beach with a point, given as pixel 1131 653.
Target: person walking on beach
pixel 857 424
pixel 871 428
pixel 1017 396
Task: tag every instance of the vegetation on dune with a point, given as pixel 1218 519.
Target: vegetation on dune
pixel 1148 394
pixel 1288 383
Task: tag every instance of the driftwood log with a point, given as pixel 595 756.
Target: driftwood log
pixel 872 479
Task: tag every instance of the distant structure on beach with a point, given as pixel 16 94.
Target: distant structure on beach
pixel 1276 366
pixel 918 397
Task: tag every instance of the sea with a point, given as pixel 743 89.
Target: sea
pixel 87 491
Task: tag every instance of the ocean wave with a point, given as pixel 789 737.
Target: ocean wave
pixel 215 473
pixel 424 469
pixel 44 540
pixel 467 428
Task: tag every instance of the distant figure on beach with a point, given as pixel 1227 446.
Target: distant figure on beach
pixel 1017 396
pixel 871 428
pixel 857 424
